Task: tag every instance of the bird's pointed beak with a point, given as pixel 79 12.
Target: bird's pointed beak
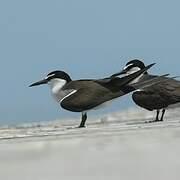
pixel 124 71
pixel 44 81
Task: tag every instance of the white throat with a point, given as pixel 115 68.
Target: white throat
pixel 56 85
pixel 133 70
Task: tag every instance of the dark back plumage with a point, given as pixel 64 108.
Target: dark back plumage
pixel 158 96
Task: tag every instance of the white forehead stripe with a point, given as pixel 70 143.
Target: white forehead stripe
pixel 49 76
pixel 128 66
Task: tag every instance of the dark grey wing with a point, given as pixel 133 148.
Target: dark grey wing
pixel 149 82
pixel 85 99
pixel 149 97
pixel 166 83
pixel 168 89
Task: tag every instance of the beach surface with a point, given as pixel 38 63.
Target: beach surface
pixel 117 146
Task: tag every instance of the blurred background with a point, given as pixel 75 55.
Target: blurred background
pixel 87 39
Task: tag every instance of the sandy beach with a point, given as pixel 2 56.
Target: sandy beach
pixel 110 148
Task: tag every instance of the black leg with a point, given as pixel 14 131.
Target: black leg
pixel 163 112
pixel 83 121
pixel 157 116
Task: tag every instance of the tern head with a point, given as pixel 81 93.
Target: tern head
pixel 132 67
pixel 55 78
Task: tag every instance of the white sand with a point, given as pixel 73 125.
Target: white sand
pixel 112 149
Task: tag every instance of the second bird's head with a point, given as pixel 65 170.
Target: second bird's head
pixel 55 78
pixel 132 67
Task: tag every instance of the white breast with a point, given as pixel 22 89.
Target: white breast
pixel 56 86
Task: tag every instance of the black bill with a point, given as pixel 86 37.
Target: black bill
pixel 44 81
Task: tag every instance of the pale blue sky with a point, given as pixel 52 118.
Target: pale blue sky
pixel 86 38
